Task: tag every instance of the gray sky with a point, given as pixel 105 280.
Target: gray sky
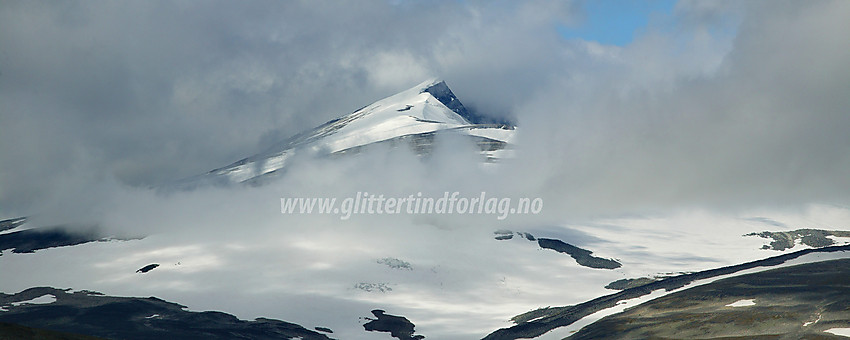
pixel 724 105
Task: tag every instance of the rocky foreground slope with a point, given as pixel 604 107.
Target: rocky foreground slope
pixel 799 302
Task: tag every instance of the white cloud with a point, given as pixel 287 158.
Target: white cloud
pixel 719 105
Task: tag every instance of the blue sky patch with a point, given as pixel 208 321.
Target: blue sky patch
pixel 615 22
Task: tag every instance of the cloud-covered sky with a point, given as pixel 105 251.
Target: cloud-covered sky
pixel 720 104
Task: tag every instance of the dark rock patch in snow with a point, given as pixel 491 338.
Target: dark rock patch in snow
pixel 630 283
pixel 398 326
pixel 12 223
pixel 395 263
pixel 30 240
pixel 381 287
pixel 147 268
pixel 811 237
pixel 582 256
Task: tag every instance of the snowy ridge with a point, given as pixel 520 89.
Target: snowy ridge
pixel 423 109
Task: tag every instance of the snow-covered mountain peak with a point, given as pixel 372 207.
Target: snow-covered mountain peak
pixel 420 111
pixel 413 91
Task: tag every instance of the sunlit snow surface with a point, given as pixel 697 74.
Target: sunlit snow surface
pixel 41 300
pixel 839 331
pixel 305 269
pixel 742 303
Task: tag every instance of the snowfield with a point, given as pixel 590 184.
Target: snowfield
pixel 463 283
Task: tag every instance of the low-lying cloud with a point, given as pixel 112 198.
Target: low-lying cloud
pixel 718 106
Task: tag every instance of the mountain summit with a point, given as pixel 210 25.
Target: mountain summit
pixel 413 116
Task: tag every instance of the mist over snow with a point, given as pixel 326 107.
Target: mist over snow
pixel 715 112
